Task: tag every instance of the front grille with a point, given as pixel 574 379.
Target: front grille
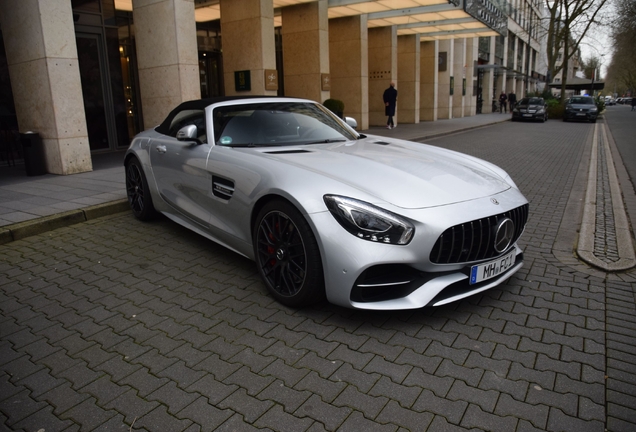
pixel 474 241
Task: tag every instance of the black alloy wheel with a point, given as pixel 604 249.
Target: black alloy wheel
pixel 138 193
pixel 287 255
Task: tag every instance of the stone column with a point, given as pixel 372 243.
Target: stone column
pixel 39 39
pixel 470 101
pixel 306 50
pixel 459 71
pixel 382 70
pixel 428 80
pixel 168 65
pixel 349 66
pixel 409 78
pixel 444 107
pixel 248 44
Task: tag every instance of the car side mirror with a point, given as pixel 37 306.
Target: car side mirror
pixel 351 122
pixel 188 133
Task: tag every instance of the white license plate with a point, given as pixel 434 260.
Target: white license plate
pixel 482 272
pixel 527 115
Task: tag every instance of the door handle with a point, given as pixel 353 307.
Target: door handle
pixel 161 149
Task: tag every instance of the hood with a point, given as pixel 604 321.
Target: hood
pixel 530 107
pixel 405 174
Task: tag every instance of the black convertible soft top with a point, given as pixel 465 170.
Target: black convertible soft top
pixel 200 104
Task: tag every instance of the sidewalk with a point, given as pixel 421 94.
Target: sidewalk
pixel 32 205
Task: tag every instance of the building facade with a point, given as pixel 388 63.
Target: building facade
pixel 89 74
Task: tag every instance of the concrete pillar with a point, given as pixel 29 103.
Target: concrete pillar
pixel 39 39
pixel 428 80
pixel 470 101
pixel 168 63
pixel 488 81
pixel 444 107
pixel 306 50
pixel 349 66
pixel 248 45
pixel 459 71
pixel 382 70
pixel 409 78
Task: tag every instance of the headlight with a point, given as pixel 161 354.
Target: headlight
pixel 369 222
pixel 593 109
pixel 540 111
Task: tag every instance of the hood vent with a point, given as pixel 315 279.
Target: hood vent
pixel 294 151
pixel 381 142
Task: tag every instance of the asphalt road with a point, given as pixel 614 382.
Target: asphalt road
pixel 622 122
pixel 116 324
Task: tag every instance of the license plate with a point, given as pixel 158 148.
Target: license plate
pixel 482 272
pixel 580 114
pixel 527 115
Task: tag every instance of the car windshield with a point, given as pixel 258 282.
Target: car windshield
pixel 531 101
pixel 582 100
pixel 277 123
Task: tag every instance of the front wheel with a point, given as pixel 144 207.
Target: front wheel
pixel 138 192
pixel 287 255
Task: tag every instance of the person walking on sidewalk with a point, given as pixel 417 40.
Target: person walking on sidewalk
pixel 502 102
pixel 390 100
pixel 512 99
pixel 633 103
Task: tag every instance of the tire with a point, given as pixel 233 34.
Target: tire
pixel 138 192
pixel 287 255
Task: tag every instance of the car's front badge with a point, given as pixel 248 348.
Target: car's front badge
pixel 494 201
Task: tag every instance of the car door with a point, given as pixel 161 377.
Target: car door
pixel 179 168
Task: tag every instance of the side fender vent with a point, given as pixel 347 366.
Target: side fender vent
pixel 222 188
pixel 381 142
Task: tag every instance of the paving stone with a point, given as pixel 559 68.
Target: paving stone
pixel 594 391
pixel 251 382
pixel 104 390
pixel 40 382
pixel 323 366
pixel 143 381
pixel 476 418
pixel 566 403
pixel 557 420
pixel 214 390
pixel 217 367
pixel 20 406
pixel 204 414
pixel 353 398
pixel 395 414
pixel 247 406
pixel 88 415
pixel 43 417
pixel 396 372
pixel 172 397
pixel 404 395
pixel 222 348
pixel 159 419
pixel 485 399
pixel 363 381
pixel 327 414
pixel 357 422
pixel 327 390
pixel 355 358
pixel 289 398
pixel 429 402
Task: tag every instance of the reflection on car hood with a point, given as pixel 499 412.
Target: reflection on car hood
pixel 534 107
pixel 407 175
pixel 581 106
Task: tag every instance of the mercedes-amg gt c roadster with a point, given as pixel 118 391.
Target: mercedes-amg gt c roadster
pixel 326 212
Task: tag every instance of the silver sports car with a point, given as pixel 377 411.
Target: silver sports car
pixel 325 212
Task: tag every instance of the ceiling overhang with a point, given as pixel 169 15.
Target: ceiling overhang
pixel 431 19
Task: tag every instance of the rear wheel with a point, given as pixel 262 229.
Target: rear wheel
pixel 287 255
pixel 137 190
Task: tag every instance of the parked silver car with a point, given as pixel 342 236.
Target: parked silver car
pixel 363 221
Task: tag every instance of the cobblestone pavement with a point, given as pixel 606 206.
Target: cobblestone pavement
pixel 114 324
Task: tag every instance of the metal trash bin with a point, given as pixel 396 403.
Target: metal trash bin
pixel 33 153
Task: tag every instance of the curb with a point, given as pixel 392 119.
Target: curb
pixel 30 228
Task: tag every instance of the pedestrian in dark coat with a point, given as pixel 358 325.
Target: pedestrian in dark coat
pixel 512 100
pixel 633 103
pixel 390 100
pixel 502 102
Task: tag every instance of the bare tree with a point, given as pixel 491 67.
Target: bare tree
pixel 622 70
pixel 568 23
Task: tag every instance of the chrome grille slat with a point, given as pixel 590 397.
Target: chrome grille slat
pixel 473 241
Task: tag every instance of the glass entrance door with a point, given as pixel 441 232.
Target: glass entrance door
pixel 91 57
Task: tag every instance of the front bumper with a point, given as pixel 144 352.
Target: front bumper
pixel 522 115
pixel 366 275
pixel 581 115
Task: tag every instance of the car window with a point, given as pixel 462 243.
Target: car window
pixel 582 100
pixel 189 117
pixel 276 123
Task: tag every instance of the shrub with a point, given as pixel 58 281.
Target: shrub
pixel 555 108
pixel 335 106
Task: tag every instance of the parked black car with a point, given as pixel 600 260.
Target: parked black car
pixel 581 108
pixel 533 108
